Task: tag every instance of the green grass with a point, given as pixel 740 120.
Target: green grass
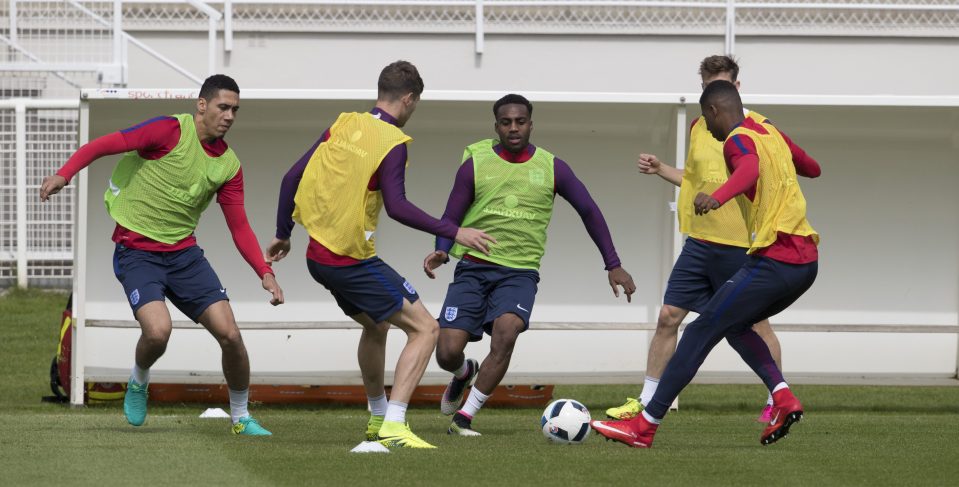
pixel 850 436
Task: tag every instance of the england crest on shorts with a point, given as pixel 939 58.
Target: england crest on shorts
pixel 409 287
pixel 450 314
pixel 135 297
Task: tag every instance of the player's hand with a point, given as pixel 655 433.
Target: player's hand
pixel 51 186
pixel 649 164
pixel 474 239
pixel 434 260
pixel 270 284
pixel 704 203
pixel 619 277
pixel 277 250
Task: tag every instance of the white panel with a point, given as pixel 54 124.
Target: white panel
pixel 850 353
pixel 642 64
pixel 884 206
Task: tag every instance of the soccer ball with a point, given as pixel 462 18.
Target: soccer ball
pixel 565 421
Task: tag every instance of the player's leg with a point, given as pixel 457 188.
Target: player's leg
pixel 155 329
pixel 373 288
pixel 688 288
pixel 765 331
pixel 371 355
pixel 461 321
pixel 218 319
pixel 506 329
pixel 421 331
pixel 195 289
pixel 738 303
pixel 143 276
pixel 451 357
pixel 725 262
pixel 509 305
pixel 786 409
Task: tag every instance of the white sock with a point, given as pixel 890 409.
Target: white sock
pixel 378 405
pixel 650 418
pixel 769 400
pixel 460 373
pixel 780 386
pixel 474 403
pixel 649 389
pixel 140 376
pixel 238 403
pixel 396 412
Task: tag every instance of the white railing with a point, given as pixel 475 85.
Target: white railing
pixel 73 36
pixel 63 36
pixel 36 240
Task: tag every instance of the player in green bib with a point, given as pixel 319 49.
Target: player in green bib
pixel 171 169
pixel 506 187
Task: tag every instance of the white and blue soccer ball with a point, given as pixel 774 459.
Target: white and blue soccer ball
pixel 565 421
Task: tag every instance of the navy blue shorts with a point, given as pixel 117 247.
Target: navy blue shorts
pixel 760 289
pixel 480 293
pixel 701 269
pixel 370 287
pixel 184 276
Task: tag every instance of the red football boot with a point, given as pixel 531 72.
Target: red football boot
pixel 786 411
pixel 636 432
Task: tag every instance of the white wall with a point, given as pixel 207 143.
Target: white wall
pixel 885 207
pixel 642 64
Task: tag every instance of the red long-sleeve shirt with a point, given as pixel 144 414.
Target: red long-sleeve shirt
pixel 743 163
pixel 152 140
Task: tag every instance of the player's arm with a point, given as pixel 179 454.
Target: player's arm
pixel 573 190
pixel 743 163
pixel 279 247
pixel 650 164
pixel 230 198
pixel 805 165
pixel 392 177
pixel 461 197
pixel 152 139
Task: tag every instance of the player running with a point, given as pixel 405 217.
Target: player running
pixel 172 168
pixel 782 265
pixel 336 191
pixel 714 250
pixel 507 187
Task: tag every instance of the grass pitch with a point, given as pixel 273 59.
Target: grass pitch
pixel 850 436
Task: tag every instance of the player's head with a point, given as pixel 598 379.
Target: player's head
pixel 218 103
pixel 514 121
pixel 722 108
pixel 719 67
pixel 400 85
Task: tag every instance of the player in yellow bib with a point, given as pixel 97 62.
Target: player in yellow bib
pixel 335 191
pixel 782 263
pixel 714 250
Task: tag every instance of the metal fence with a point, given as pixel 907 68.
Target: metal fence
pixel 36 239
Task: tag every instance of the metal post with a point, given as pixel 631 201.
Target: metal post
pixel 228 25
pixel 211 48
pixel 681 130
pixel 14 37
pixel 730 27
pixel 77 360
pixel 117 31
pixel 479 27
pixel 21 162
